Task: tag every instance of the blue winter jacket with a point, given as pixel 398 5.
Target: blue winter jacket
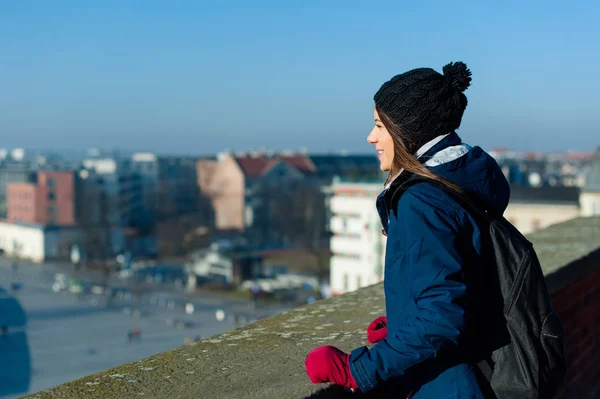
pixel 430 241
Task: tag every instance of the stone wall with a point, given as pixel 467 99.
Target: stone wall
pixel 266 359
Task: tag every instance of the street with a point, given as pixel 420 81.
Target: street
pixel 69 335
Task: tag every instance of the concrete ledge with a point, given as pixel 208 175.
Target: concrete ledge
pixel 568 250
pixel 263 360
pixel 266 359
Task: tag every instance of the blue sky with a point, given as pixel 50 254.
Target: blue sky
pixel 203 76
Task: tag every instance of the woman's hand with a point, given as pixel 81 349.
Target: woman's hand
pixel 329 364
pixel 377 330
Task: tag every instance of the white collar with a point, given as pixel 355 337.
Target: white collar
pixel 429 145
pixel 420 152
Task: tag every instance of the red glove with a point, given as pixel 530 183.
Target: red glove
pixel 329 364
pixel 377 330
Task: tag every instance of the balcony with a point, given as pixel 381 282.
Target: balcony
pixel 347 246
pixel 348 225
pixel 266 359
pixel 351 205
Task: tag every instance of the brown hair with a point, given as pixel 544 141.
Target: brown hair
pixel 403 160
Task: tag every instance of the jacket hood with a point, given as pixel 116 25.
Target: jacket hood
pixel 472 169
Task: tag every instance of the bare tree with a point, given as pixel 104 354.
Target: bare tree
pixel 298 214
pixel 179 223
pixel 93 207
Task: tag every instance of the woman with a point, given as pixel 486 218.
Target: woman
pixel 431 242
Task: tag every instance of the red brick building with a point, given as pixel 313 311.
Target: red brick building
pixel 48 201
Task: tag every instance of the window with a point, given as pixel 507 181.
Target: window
pixel 51 196
pixel 51 215
pixel 345 284
pixel 51 183
pixel 249 216
pixel 358 282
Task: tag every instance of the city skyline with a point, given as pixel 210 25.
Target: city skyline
pixel 199 79
pixel 78 154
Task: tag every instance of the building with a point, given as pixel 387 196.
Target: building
pixel 223 181
pixel 109 207
pixel 169 181
pixel 233 184
pixel 12 172
pixel 230 267
pixel 534 169
pixel 120 187
pixel 145 165
pixel 357 243
pixel 173 210
pixel 590 194
pixel 535 208
pixel 205 170
pixel 177 179
pixel 49 200
pixel 37 243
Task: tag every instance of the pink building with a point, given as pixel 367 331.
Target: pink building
pixel 49 201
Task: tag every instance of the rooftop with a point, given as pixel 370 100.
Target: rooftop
pixel 544 194
pixel 257 164
pixel 266 359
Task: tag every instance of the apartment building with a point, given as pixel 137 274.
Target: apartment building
pixel 357 243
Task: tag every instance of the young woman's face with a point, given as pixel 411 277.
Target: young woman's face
pixel 382 140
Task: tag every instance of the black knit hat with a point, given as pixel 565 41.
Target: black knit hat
pixel 425 103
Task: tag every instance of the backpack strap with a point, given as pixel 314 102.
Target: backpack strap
pixel 460 197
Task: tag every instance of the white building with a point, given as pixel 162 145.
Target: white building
pixel 357 244
pixel 37 243
pixel 209 263
pixel 229 265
